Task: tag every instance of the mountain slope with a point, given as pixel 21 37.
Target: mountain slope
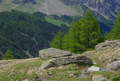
pixel 45 6
pixel 24 34
pixel 105 8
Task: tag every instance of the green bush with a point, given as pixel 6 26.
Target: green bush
pixel 8 55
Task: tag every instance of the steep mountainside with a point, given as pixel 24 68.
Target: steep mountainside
pixel 24 34
pixel 105 8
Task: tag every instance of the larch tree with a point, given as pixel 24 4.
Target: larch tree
pixel 84 34
pixel 57 41
pixel 90 31
pixel 115 31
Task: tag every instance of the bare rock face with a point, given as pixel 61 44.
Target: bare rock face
pixel 107 8
pixel 81 60
pixel 53 53
pixel 108 45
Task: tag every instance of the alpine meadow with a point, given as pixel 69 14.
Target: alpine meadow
pixel 59 40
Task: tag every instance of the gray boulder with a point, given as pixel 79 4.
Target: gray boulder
pixel 114 65
pixel 108 44
pixel 81 60
pixel 53 53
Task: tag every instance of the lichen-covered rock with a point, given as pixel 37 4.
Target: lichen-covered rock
pixel 108 45
pixel 114 65
pixel 53 53
pixel 81 60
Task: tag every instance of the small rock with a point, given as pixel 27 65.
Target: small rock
pixel 93 68
pixel 50 73
pixel 25 80
pixel 94 63
pixel 98 69
pixel 84 73
pixel 40 79
pixel 71 75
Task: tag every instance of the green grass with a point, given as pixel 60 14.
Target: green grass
pixel 20 71
pixel 56 22
pixel 6 7
pixel 63 74
pixel 105 74
pixel 18 77
pixel 25 9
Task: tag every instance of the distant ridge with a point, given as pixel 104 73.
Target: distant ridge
pixel 105 8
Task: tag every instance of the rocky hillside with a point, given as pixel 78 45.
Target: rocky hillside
pixel 97 65
pixel 105 8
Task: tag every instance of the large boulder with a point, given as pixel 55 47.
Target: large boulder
pixel 81 60
pixel 53 53
pixel 108 44
pixel 114 65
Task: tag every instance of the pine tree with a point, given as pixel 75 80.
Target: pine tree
pixel 57 41
pixel 115 31
pixel 90 31
pixel 83 34
pixel 8 55
pixel 73 41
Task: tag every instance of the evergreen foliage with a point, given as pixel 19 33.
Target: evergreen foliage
pixel 21 32
pixel 57 41
pixel 115 31
pixel 83 35
pixel 8 55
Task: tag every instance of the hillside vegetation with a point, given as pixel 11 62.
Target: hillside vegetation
pixel 29 68
pixel 104 14
pixel 24 33
pixel 83 35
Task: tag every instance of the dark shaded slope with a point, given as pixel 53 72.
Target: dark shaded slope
pixel 25 33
